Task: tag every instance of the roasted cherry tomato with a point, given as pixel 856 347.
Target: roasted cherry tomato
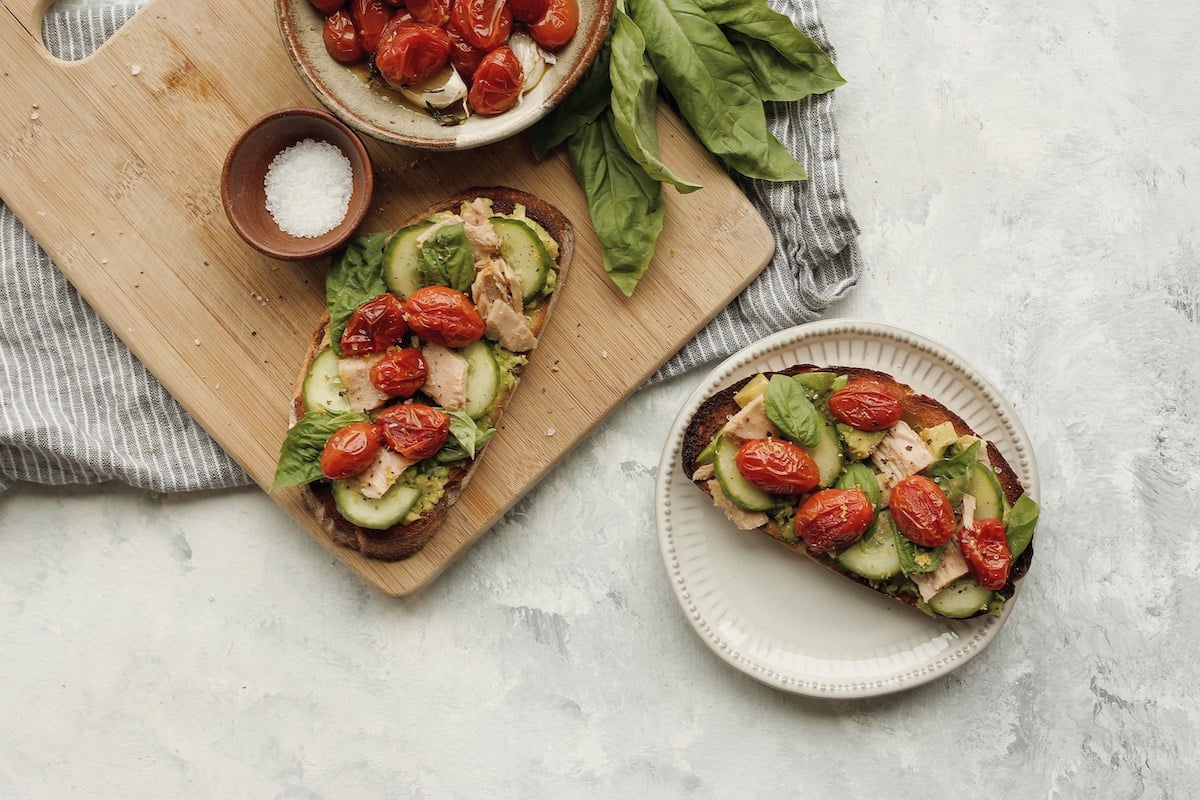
pixel 777 466
pixel 463 55
pixel 350 450
pixel 328 7
pixel 341 38
pixel 432 12
pixel 984 547
pixel 557 25
pixel 369 17
pixel 400 373
pixel 496 85
pixel 484 23
pixel 922 511
pixel 833 519
pixel 443 316
pixel 411 53
pixel 865 405
pixel 528 10
pixel 374 326
pixel 414 430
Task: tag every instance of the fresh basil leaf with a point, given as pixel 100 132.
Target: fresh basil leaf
pixel 581 107
pixel 355 276
pixel 802 67
pixel 858 474
pixel 792 412
pixel 635 101
pixel 1022 520
pixel 953 474
pixel 914 559
pixel 445 258
pixel 715 93
pixel 625 203
pixel 300 453
pixel 777 78
pixel 466 438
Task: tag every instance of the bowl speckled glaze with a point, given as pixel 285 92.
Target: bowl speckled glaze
pixel 377 114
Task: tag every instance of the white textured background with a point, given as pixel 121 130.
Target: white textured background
pixel 1021 174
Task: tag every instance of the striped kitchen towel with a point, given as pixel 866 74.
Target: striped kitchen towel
pixel 77 407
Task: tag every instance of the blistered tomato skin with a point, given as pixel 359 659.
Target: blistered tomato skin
pixel 341 38
pixel 484 23
pixel 370 17
pixel 414 430
pixel 443 316
pixel 557 25
pixel 411 53
pixel 984 546
pixel 528 10
pixel 497 83
pixel 833 519
pixel 865 405
pixel 463 55
pixel 431 12
pixel 350 450
pixel 374 326
pixel 400 373
pixel 922 511
pixel 777 466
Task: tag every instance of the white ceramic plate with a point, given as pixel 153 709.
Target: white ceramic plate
pixel 789 622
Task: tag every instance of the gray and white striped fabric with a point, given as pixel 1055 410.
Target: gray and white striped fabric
pixel 77 407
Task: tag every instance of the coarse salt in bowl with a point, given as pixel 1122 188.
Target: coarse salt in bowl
pixel 297 184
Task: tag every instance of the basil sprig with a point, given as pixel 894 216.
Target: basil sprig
pixel 445 258
pixel 355 276
pixel 788 406
pixel 719 62
pixel 300 454
pixel 1022 520
pixel 953 474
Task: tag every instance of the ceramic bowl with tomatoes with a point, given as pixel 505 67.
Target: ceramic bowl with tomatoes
pixel 442 74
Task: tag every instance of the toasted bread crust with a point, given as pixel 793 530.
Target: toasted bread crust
pixel 920 411
pixel 403 541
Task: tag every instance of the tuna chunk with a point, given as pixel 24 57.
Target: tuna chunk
pixel 355 372
pixel 485 242
pixel 446 380
pixel 382 474
pixel 900 454
pixel 496 292
pixel 752 422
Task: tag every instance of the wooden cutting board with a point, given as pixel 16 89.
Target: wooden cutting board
pixel 113 163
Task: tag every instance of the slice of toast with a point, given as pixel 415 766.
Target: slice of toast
pixel 404 540
pixel 920 412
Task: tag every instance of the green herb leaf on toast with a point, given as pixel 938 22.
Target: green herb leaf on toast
pixel 300 453
pixel 1022 520
pixel 355 276
pixel 788 406
pixel 445 258
pixel 953 474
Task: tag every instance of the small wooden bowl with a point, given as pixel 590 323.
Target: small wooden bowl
pixel 243 188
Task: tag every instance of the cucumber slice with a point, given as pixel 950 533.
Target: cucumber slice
pixel 827 452
pixel 483 379
pixel 323 388
pixel 709 454
pixel 525 253
pixel 874 556
pixel 401 262
pixel 990 502
pixel 741 491
pixel 389 510
pixel 961 599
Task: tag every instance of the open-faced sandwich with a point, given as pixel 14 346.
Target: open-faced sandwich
pixel 427 333
pixel 868 478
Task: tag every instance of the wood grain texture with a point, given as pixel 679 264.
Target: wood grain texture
pixel 113 164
